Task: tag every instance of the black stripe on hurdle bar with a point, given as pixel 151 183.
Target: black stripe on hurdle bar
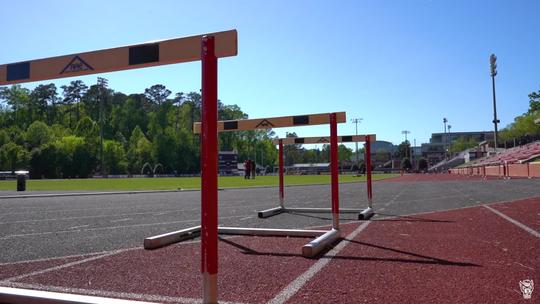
pixel 301 120
pixel 230 125
pixel 324 139
pixel 144 54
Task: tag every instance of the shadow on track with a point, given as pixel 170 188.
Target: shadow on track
pixel 424 259
pixel 405 218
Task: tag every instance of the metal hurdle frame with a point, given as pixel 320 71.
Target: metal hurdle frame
pixel 363 214
pixel 206 48
pixel 209 229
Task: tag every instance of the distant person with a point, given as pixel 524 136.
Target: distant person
pixel 247 169
pixel 253 169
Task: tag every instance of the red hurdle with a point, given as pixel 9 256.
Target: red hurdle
pixel 362 214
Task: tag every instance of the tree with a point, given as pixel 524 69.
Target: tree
pixel 45 161
pixel 178 101
pixel 13 156
pixel 291 153
pixel 4 137
pixel 139 151
pixel 403 150
pixel 114 157
pixel 18 99
pixel 406 164
pixel 534 102
pixel 194 103
pixel 87 128
pixel 43 101
pixel 157 94
pixel 524 125
pixel 462 143
pixel 344 153
pixel 73 94
pixel 422 164
pixel 38 133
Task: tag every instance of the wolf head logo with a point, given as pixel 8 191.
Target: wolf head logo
pixel 527 287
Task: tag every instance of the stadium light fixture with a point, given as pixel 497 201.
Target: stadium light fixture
pixel 493 73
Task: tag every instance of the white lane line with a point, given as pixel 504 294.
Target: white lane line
pixel 121 220
pixel 290 290
pixel 110 208
pixel 111 294
pixel 106 228
pixel 61 257
pixel 513 221
pixel 89 217
pixel 76 227
pixel 37 272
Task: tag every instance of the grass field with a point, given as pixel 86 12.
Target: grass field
pixel 173 183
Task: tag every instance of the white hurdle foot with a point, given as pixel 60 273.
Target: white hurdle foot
pixel 314 247
pixel 169 238
pixel 271 212
pixel 366 214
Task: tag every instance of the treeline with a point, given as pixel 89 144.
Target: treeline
pixel 59 132
pixel 80 131
pixel 524 125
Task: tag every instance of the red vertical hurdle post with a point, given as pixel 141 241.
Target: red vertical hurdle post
pixel 281 172
pixel 368 172
pixel 209 178
pixel 334 168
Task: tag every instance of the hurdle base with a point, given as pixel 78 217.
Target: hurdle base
pixel 278 210
pixel 317 245
pixel 323 238
pixel 271 212
pixel 366 214
pixel 169 238
pixel 270 232
pixel 320 210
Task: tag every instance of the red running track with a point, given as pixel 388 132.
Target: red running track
pixel 526 211
pixel 470 255
pixel 463 256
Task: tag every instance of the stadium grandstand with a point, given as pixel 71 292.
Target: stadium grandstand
pixel 521 161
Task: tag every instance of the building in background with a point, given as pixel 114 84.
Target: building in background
pixel 436 150
pixel 228 163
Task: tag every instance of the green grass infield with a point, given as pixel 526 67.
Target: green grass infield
pixel 174 183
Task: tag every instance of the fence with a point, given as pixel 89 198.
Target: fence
pixel 503 170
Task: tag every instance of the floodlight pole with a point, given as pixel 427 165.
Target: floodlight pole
pixel 445 139
pixel 356 121
pixel 209 171
pixel 493 67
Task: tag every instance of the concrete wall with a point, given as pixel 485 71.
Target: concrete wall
pixel 510 170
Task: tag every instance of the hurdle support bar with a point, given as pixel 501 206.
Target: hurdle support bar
pixel 271 212
pixel 278 210
pixel 316 246
pixel 166 239
pixel 366 214
pixel 270 232
pixel 26 296
pixel 320 210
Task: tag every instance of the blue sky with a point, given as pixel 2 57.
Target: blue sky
pixel 399 65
